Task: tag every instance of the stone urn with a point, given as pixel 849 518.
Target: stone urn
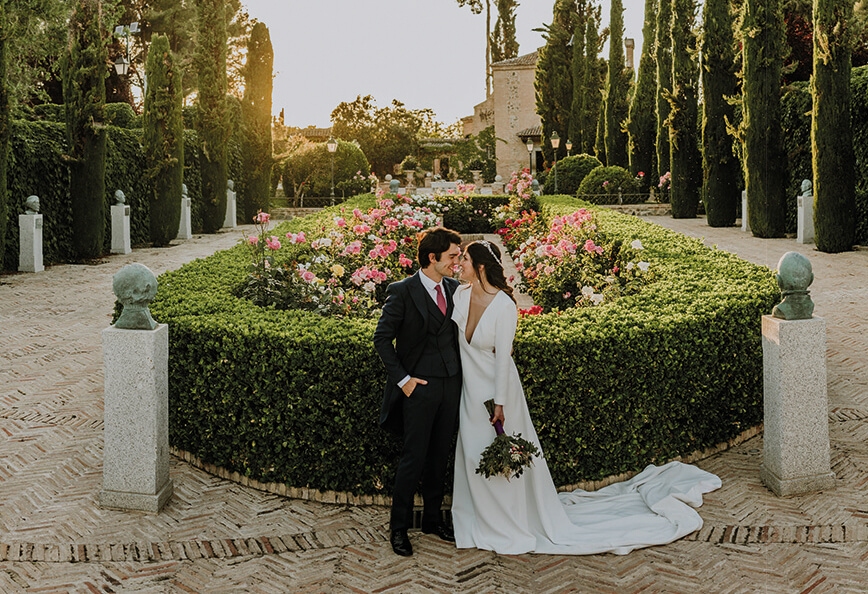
pixel 477 177
pixel 411 175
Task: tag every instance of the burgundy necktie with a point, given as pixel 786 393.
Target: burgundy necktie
pixel 441 300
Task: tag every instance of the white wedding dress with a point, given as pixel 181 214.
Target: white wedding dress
pixel 527 514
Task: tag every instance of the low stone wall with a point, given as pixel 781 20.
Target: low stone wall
pixel 642 210
pixel 292 212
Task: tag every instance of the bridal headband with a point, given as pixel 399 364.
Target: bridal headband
pixel 487 245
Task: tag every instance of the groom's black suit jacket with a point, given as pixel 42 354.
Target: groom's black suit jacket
pixel 405 320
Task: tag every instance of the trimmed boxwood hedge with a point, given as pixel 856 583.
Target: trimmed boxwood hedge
pixel 293 397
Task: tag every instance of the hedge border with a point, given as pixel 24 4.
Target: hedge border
pixel 213 376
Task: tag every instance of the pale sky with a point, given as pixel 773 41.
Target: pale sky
pixel 425 53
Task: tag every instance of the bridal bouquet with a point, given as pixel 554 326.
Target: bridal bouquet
pixel 507 455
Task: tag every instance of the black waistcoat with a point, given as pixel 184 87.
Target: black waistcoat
pixel 440 354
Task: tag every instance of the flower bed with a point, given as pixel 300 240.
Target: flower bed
pixel 293 396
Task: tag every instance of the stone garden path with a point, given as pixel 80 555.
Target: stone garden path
pixel 218 536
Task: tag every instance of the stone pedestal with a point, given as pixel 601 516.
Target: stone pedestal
pixel 136 418
pixel 185 228
pixel 805 220
pixel 231 211
pixel 745 221
pixel 30 243
pixel 121 229
pixel 796 416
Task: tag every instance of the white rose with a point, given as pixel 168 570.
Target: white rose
pixel 369 286
pixel 597 298
pixel 636 245
pixel 587 291
pixel 630 265
pixel 325 241
pixel 643 266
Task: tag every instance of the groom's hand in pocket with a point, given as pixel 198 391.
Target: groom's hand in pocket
pixel 411 385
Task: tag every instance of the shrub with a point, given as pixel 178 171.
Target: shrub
pixel 603 185
pixel 120 115
pixel 571 172
pixel 471 214
pixel 409 163
pixel 311 165
pixel 645 378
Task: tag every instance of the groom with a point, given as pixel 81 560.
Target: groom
pixel 424 382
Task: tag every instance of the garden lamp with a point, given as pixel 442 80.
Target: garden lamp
pixel 529 146
pixel 556 142
pixel 569 146
pixel 332 145
pixel 122 64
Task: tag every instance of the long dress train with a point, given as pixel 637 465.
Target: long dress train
pixel 527 514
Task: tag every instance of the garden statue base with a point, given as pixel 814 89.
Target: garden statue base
pixel 805 220
pixel 121 229
pixel 184 227
pixel 30 243
pixel 231 210
pixel 796 457
pixel 745 222
pixel 136 419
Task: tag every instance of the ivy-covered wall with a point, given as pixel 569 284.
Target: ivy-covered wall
pixel 796 124
pixel 37 166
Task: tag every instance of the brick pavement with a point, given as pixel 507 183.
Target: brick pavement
pixel 219 536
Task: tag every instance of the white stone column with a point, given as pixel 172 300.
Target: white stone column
pixel 121 229
pixel 745 221
pixel 30 243
pixel 136 419
pixel 805 220
pixel 796 458
pixel 185 227
pixel 231 210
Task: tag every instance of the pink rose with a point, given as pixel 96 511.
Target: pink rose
pixel 252 240
pixel 273 243
pixel 307 276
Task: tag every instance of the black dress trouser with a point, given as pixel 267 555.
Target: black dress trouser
pixel 430 421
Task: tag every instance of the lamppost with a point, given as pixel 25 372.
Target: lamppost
pixel 332 145
pixel 569 146
pixel 529 146
pixel 122 64
pixel 556 142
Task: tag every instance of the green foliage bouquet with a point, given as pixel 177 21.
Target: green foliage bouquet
pixel 508 455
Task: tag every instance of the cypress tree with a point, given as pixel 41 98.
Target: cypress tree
pixel 663 58
pixel 553 82
pixel 578 77
pixel 831 132
pixel 616 90
pixel 214 125
pixel 686 164
pixel 84 76
pixel 600 134
pixel 503 43
pixel 641 124
pixel 592 85
pixel 762 36
pixel 4 131
pixel 163 140
pixel 256 118
pixel 720 177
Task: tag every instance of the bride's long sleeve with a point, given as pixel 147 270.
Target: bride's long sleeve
pixel 504 334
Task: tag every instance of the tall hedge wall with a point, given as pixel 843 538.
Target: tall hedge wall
pixel 293 397
pixel 796 124
pixel 36 167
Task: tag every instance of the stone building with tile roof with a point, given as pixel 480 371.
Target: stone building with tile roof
pixel 511 108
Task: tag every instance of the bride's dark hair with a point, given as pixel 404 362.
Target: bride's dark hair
pixel 485 253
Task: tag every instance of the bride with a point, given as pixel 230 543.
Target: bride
pixel 526 514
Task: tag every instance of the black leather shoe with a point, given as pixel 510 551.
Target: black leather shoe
pixel 441 530
pixel 401 543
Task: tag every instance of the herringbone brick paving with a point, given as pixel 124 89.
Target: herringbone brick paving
pixel 218 536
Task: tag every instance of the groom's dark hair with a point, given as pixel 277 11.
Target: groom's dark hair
pixel 435 240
